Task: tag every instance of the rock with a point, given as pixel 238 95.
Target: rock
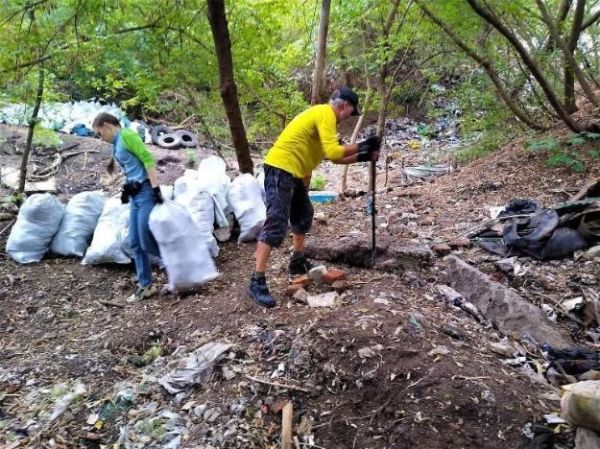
pixel 303 281
pixel 199 410
pixel 592 253
pixel 227 373
pixel 460 242
pixel 341 286
pixel 301 295
pixel 317 273
pixel 488 396
pixel 510 312
pixel 590 375
pixel 586 439
pixel 291 289
pixel 321 218
pixel 508 265
pixel 211 415
pixel 333 275
pixel 441 249
pixel 328 299
pixel 503 347
pixel 439 350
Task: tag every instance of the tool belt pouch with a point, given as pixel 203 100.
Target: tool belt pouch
pixel 132 188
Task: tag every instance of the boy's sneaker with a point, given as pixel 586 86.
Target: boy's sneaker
pixel 142 293
pixel 301 265
pixel 259 292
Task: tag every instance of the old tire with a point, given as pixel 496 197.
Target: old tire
pixel 158 131
pixel 169 141
pixel 187 138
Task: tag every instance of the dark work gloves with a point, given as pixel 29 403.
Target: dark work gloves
pixel 158 195
pixel 367 147
pixel 124 197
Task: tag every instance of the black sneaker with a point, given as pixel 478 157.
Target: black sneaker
pixel 301 265
pixel 259 292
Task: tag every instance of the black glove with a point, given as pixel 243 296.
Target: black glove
pixel 124 197
pixel 367 147
pixel 158 195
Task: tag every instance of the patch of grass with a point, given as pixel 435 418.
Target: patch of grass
pixel 317 182
pixel 46 138
pixel 192 157
pixel 487 143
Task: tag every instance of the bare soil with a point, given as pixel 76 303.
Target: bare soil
pixel 426 379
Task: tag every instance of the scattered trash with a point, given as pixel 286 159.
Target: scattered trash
pixel 62 404
pixel 193 369
pixel 424 171
pixel 9 176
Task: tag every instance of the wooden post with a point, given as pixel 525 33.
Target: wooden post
pixel 286 426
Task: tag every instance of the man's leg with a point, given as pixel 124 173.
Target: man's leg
pixel 301 217
pixel 278 190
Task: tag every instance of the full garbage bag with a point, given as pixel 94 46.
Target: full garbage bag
pixel 183 249
pixel 108 241
pixel 201 206
pixel 246 198
pixel 78 224
pixel 38 220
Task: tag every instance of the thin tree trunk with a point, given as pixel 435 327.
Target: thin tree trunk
pixel 317 85
pixel 220 32
pixel 532 65
pixel 32 122
pixel 486 65
pixel 359 123
pixel 571 68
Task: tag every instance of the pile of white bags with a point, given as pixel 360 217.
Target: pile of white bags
pixel 78 224
pixel 38 220
pixel 182 248
pixel 246 198
pixel 201 207
pixel 108 242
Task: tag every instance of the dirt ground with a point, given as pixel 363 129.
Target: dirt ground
pixel 391 366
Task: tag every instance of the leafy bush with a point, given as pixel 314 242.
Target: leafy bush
pixel 46 138
pixel 318 182
pixel 482 144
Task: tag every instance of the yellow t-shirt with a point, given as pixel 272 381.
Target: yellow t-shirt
pixel 308 139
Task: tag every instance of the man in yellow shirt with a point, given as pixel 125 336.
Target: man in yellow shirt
pixel 308 139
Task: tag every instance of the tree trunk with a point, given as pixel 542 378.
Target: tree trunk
pixel 32 122
pixel 317 85
pixel 531 65
pixel 220 32
pixel 486 65
pixel 571 68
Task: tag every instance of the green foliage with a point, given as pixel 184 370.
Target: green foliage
pixel 562 154
pixel 46 138
pixel 482 145
pixel 318 182
pixel 192 157
pixel 548 144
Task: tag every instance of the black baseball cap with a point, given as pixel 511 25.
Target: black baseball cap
pixel 345 93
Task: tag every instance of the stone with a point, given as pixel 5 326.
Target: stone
pixel 301 295
pixel 504 347
pixel 460 242
pixel 316 274
pixel 586 439
pixel 441 249
pixel 590 375
pixel 511 314
pixel 333 275
pixel 303 281
pixel 592 253
pixel 328 299
pixel 291 289
pixel 341 286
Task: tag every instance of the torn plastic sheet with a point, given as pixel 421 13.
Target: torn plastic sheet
pixel 193 369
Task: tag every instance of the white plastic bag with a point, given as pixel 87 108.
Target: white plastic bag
pixel 201 207
pixel 78 224
pixel 246 199
pixel 213 179
pixel 38 220
pixel 183 250
pixel 107 243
